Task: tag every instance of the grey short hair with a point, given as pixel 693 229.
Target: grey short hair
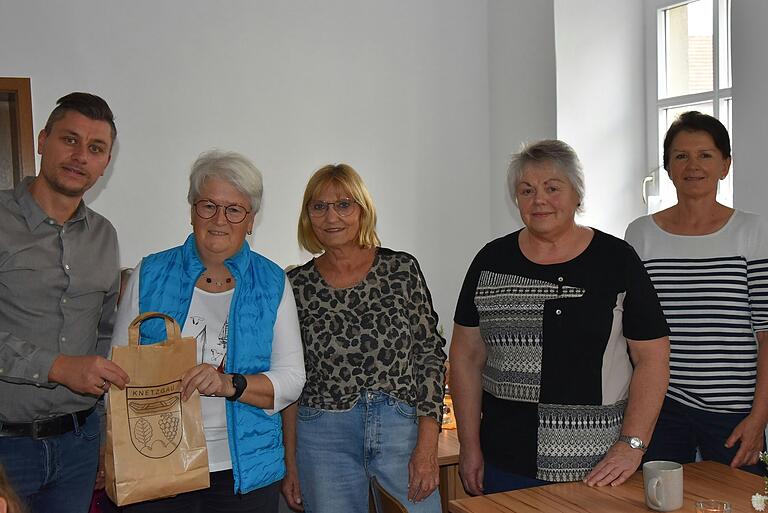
pixel 230 166
pixel 548 150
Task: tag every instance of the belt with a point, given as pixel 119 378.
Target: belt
pixel 46 427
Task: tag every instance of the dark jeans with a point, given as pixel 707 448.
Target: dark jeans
pixel 497 480
pixel 56 474
pixel 681 430
pixel 219 498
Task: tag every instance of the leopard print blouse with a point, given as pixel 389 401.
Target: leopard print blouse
pixel 380 334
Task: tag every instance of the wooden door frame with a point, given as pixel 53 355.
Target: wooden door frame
pixel 18 92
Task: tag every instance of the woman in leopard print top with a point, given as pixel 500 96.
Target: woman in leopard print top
pixel 375 362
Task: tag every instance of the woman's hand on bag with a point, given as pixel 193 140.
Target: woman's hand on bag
pixel 207 380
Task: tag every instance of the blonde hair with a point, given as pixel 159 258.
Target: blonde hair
pixel 347 178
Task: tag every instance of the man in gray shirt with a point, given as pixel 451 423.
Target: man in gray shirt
pixel 58 289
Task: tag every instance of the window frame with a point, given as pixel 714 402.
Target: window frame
pixel 656 77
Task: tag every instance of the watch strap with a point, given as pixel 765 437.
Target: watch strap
pixel 240 383
pixel 633 441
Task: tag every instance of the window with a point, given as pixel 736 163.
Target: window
pixel 691 71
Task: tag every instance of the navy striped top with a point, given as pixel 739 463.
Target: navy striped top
pixel 714 292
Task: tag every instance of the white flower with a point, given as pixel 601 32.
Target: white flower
pixel 759 501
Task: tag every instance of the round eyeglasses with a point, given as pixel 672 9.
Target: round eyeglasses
pixel 207 209
pixel 343 207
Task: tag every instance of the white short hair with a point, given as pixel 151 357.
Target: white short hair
pixel 548 150
pixel 230 166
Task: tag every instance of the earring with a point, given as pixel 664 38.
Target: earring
pixel 250 232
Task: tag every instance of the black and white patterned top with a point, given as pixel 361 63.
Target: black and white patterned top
pixel 714 291
pixel 380 334
pixel 557 374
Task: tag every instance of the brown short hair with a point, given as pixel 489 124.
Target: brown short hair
pixel 89 105
pixel 348 179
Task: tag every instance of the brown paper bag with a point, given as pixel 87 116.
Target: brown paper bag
pixel 155 441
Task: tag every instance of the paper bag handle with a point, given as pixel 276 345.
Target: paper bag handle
pixel 172 330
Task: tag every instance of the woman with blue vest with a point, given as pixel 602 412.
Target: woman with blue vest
pixel 240 308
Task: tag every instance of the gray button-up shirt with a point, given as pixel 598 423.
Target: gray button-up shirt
pixel 58 291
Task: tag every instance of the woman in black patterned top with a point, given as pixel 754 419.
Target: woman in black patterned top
pixel 371 406
pixel 559 342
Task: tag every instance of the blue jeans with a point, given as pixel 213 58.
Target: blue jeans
pixel 681 430
pixel 56 474
pixel 338 452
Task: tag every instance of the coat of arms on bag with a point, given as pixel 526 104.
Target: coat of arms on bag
pixel 154 418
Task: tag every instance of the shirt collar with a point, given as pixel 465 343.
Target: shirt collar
pixel 34 215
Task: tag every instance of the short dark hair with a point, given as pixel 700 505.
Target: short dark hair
pixel 695 121
pixel 89 105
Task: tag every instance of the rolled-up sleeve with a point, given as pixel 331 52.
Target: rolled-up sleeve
pixel 429 357
pixel 286 369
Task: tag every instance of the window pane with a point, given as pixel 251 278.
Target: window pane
pixel 724 28
pixel 688 48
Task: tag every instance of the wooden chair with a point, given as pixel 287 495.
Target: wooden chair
pixel 381 501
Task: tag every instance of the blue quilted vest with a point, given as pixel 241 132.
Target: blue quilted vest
pixel 166 283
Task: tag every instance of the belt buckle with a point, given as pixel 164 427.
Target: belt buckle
pixel 35 430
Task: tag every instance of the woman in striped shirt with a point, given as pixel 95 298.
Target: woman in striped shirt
pixel 709 264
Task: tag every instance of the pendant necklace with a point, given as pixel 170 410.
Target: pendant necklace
pixel 218 283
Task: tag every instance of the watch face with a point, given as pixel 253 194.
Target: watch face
pixel 635 442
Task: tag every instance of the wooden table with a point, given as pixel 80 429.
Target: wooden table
pixel 702 480
pixel 448 459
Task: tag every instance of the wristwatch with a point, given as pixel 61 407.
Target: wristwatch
pixel 239 382
pixel 633 442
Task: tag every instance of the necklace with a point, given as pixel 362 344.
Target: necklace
pixel 218 283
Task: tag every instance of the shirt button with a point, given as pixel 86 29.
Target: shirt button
pixel 66 266
pixel 35 375
pixel 63 339
pixel 558 311
pixel 64 300
pixel 560 279
pixel 50 221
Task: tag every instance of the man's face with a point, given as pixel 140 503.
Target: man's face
pixel 74 154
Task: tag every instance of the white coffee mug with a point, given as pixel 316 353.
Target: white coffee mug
pixel 663 485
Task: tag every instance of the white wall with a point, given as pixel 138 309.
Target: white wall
pixel 750 105
pixel 523 86
pixel 400 90
pixel 601 104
